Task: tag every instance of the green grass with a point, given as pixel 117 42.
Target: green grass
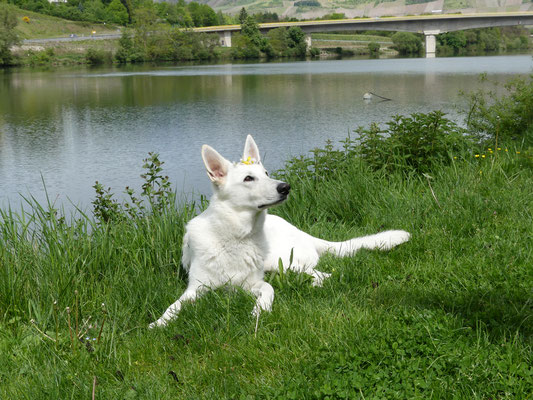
pixel 447 315
pixel 41 26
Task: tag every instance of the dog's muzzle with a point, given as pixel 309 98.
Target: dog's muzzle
pixel 283 190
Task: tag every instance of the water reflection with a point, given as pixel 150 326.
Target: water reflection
pixel 81 125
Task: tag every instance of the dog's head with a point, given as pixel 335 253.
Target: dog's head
pixel 246 184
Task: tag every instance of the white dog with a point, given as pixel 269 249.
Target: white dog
pixel 235 240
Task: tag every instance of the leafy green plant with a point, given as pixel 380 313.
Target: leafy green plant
pixel 374 47
pixel 156 193
pixel 413 143
pixel 105 207
pixel 501 119
pixel 97 57
pixel 407 42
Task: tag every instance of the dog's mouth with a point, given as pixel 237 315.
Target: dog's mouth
pixel 280 200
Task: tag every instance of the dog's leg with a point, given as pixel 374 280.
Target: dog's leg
pixel 319 277
pixel 384 240
pixel 190 294
pixel 265 296
pixel 379 241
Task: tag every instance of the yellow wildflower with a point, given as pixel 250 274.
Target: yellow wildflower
pixel 477 156
pixel 248 161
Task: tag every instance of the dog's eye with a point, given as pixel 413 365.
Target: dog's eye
pixel 266 172
pixel 249 178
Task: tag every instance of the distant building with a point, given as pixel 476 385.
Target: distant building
pixel 57 1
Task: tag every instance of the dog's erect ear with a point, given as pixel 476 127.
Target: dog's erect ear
pixel 250 150
pixel 216 165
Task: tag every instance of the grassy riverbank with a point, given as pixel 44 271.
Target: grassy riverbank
pixel 446 315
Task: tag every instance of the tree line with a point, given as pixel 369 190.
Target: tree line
pixel 122 12
pixel 471 41
pixel 155 32
pixel 147 41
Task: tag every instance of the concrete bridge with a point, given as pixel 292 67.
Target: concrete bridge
pixel 429 25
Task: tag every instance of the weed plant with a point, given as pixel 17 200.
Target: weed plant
pixel 447 315
pixel 503 118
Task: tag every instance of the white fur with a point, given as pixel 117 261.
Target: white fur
pixel 235 240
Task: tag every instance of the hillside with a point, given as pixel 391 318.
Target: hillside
pixel 45 26
pixel 309 9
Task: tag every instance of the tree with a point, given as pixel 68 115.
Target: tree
pixel 407 43
pixel 202 14
pixel 278 40
pixel 8 35
pixel 144 21
pixel 127 51
pixel 95 11
pixel 250 29
pixel 455 40
pixel 242 16
pixel 373 48
pixel 296 41
pixel 117 13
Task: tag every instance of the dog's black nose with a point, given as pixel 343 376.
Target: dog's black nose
pixel 284 188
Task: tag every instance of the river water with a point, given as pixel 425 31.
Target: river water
pixel 72 127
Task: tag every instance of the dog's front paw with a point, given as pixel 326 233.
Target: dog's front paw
pixel 319 278
pixel 394 238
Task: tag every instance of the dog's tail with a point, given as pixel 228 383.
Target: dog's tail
pixel 381 241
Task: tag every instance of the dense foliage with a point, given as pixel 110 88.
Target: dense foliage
pixel 279 42
pixel 373 48
pixel 407 43
pixel 144 44
pixel 123 12
pixel 412 143
pixel 475 41
pixel 504 119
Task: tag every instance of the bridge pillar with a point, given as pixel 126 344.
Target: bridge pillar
pixel 225 38
pixel 431 43
pixel 308 41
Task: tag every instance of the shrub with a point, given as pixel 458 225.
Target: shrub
pixel 334 16
pixel 41 57
pixel 457 41
pixel 155 197
pixel 374 47
pixel 243 47
pixel 97 57
pixel 413 143
pixel 407 43
pixel 417 143
pixel 314 51
pixel 504 118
